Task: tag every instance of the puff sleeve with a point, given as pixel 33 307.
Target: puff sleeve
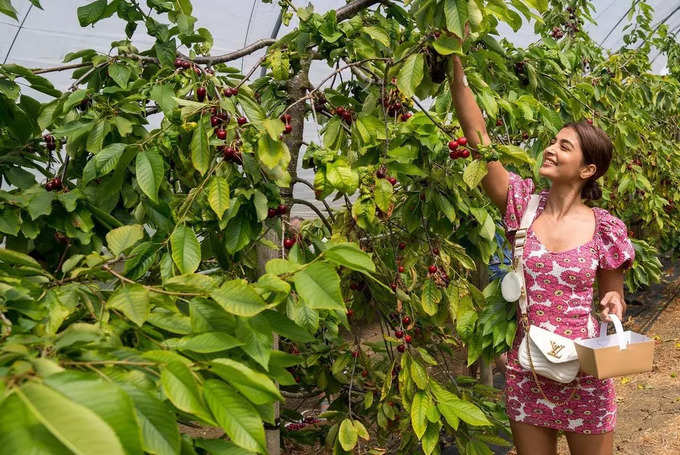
pixel 614 247
pixel 519 193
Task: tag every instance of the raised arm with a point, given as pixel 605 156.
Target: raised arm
pixel 495 183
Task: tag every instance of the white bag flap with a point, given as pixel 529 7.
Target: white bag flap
pixel 556 348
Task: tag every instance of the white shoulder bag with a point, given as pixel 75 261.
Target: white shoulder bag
pixel 542 352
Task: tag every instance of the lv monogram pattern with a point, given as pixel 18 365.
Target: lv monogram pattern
pixel 560 296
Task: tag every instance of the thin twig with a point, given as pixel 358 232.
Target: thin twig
pixel 149 288
pixel 323 201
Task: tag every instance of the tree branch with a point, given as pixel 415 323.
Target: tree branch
pixel 316 210
pixel 323 201
pixel 353 8
pixel 257 45
pixel 60 68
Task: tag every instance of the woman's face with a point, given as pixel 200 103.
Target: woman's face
pixel 563 159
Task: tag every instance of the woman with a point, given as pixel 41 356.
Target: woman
pixel 568 246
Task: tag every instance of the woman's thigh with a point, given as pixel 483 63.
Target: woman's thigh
pixel 533 440
pixel 591 444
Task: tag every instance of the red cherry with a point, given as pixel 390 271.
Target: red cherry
pixel 286 118
pixel 393 286
pixel 178 62
pixel 590 121
pixel 432 268
pixel 355 354
pixel 380 173
pixel 408 339
pixel 350 313
pixel 399 334
pixel 405 116
pixel 215 120
pixel 228 92
pixel 271 213
pixel 401 269
pixel 340 110
pixel 435 251
pixel 465 153
pixel 282 209
pixel 364 373
pixel 453 144
pixel 242 121
pixel 406 320
pixel 402 245
pixel 234 91
pixel 453 154
pixel 354 286
pixel 186 64
pixel 499 122
pixel 392 180
pixel 289 242
pixel 200 93
pixel 462 140
pixel 221 134
pixel 287 129
pixel 401 348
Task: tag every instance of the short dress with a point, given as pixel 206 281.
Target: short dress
pixel 560 295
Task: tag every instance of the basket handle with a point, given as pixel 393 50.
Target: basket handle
pixel 619 331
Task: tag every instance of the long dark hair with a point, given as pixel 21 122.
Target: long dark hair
pixel 597 149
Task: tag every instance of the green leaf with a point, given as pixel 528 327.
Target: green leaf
pixel 120 74
pixel 419 406
pixel 91 12
pixel 179 385
pixel 157 421
pixel 453 408
pixel 378 34
pixel 204 343
pixel 347 436
pixel 466 317
pixel 218 195
pixel 186 251
pixel 12 257
pixel 456 12
pixel 77 427
pixel 447 45
pixel 22 433
pixel 411 74
pixel 237 417
pixel 445 206
pixel 124 237
pixel 319 286
pixel 342 177
pixel 163 95
pixel 474 173
pixel 431 437
pixel 419 375
pixel 133 301
pixel 430 297
pixel 7 8
pixel 95 138
pixel 200 151
pixel 149 173
pixel 361 430
pixel 255 386
pixel 350 255
pixel 383 194
pixel 104 398
pixel 237 297
pixel 107 159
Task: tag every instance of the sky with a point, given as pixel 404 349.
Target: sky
pixel 41 38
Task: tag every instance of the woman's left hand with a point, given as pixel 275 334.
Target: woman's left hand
pixel 612 303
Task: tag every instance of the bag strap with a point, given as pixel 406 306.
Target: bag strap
pixel 518 252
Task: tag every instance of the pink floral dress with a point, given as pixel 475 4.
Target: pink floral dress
pixel 560 295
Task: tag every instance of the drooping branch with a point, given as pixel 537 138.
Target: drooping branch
pixel 323 201
pixel 316 210
pixel 60 68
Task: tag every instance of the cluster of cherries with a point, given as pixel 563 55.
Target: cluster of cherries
pixel 282 209
pixel 50 142
pixel 571 27
pixel 54 184
pixel 319 101
pixel 381 173
pixel 395 106
pixel 286 118
pixel 346 114
pixel 230 91
pixel 399 334
pixel 231 153
pixel 455 151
